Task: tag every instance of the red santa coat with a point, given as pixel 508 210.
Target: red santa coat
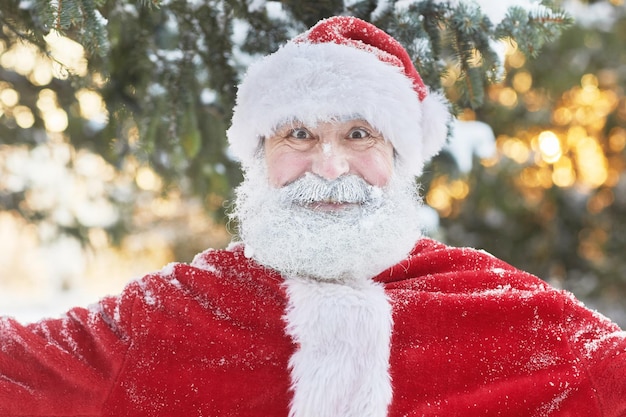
pixel 472 336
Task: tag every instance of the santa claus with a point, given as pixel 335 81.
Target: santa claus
pixel 331 303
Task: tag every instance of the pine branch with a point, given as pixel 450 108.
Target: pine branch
pixel 531 31
pixel 468 31
pixel 434 17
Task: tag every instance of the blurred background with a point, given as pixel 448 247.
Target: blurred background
pixel 113 159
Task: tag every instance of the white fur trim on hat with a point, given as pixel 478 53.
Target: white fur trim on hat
pixel 313 82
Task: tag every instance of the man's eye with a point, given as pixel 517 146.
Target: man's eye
pixel 300 133
pixel 359 133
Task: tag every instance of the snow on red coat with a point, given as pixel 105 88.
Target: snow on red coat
pixel 472 336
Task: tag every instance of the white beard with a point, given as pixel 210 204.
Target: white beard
pixel 352 244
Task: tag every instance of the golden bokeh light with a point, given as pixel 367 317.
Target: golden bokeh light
pixel 562 116
pixel 147 179
pixel 21 58
pixel 514 57
pixel 165 207
pixel 549 146
pixel 9 97
pixel 591 242
pixel 56 120
pixel 23 117
pixel 47 100
pixel 574 135
pixel 617 139
pixel 592 163
pixel 522 82
pixel 563 174
pixel 508 97
pixel 514 148
pixel 589 81
pixel 91 104
pixel 41 74
pixel 458 189
pixel 536 177
pixel 600 200
pixel 445 194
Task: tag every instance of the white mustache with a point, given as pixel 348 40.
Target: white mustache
pixel 349 189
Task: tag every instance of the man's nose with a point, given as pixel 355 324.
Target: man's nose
pixel 330 162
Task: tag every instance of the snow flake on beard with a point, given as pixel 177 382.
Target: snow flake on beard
pixel 282 229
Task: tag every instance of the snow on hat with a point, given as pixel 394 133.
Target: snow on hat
pixel 342 67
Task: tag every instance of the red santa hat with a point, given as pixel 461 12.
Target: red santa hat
pixel 342 67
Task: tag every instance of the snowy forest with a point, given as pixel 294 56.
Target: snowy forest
pixel 113 157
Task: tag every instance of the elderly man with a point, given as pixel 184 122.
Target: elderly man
pixel 332 304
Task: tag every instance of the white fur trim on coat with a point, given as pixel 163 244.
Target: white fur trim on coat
pixel 343 333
